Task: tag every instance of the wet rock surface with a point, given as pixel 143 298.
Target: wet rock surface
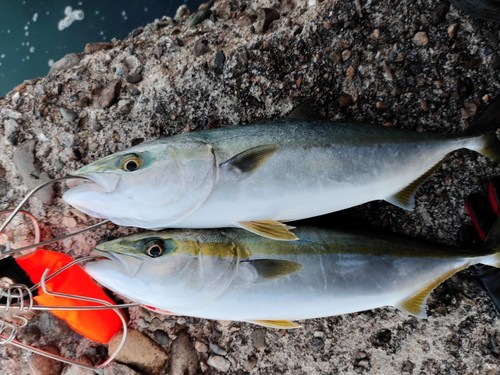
pixel 419 65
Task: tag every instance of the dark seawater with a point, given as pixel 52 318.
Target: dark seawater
pixel 36 33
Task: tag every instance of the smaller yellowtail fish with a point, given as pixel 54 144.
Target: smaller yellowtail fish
pixel 258 176
pixel 235 275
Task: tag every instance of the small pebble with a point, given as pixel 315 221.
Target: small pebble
pixel 77 370
pixel 198 17
pixel 250 363
pixel 345 100
pixel 98 46
pixel 140 352
pixel 200 347
pixel 259 339
pixel 217 349
pixel 115 368
pixel 350 72
pixel 10 129
pixel 346 55
pixel 67 62
pixel 265 16
pixel 421 38
pixel 181 13
pixel 183 356
pixel 161 337
pixel 105 96
pixel 452 30
pixel 200 47
pixel 135 77
pixel 9 113
pixel 40 365
pixel 69 222
pixel 219 363
pixel 219 61
pixel 67 114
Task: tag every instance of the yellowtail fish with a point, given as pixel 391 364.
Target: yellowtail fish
pixel 235 275
pixel 258 176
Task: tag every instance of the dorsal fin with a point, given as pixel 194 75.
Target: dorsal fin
pixel 405 198
pixel 305 111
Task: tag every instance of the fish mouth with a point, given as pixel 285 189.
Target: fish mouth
pixel 100 182
pixel 127 264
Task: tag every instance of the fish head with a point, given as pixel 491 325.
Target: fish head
pixel 161 269
pixel 152 185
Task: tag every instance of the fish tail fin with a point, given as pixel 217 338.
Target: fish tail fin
pixel 485 127
pixel 489 278
pixel 491 146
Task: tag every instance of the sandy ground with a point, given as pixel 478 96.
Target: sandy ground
pixel 419 65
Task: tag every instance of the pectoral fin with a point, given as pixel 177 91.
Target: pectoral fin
pixel 279 324
pixel 270 229
pixel 250 160
pixel 405 198
pixel 274 268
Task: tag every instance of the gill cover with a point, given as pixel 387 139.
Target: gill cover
pixel 152 185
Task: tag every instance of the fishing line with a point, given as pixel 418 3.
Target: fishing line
pixel 36 243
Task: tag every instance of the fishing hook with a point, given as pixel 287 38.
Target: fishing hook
pixel 18 208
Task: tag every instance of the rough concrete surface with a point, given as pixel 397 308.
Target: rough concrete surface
pixel 412 64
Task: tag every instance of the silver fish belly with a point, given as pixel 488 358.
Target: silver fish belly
pixel 235 275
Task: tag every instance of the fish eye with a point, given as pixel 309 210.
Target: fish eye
pixel 131 163
pixel 155 249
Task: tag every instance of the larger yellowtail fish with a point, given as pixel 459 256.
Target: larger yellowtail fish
pixel 235 275
pixel 258 176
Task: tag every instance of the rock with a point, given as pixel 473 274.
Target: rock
pixel 31 174
pixel 67 62
pixel 217 349
pixel 78 370
pixel 183 356
pixel 421 38
pixel 265 16
pixel 40 365
pixel 219 363
pixel 259 338
pixel 10 129
pixel 495 61
pixel 67 114
pixel 181 13
pixel 135 77
pixel 140 352
pixel 105 96
pixel 200 347
pixel 161 337
pixel 345 100
pixel 99 46
pixel 9 113
pixel 118 369
pixel 200 47
pixel 199 17
pixel 452 30
pixel 219 61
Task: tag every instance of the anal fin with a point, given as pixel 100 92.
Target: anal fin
pixel 416 303
pixel 279 324
pixel 270 229
pixel 405 198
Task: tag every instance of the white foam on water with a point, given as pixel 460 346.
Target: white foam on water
pixel 71 16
